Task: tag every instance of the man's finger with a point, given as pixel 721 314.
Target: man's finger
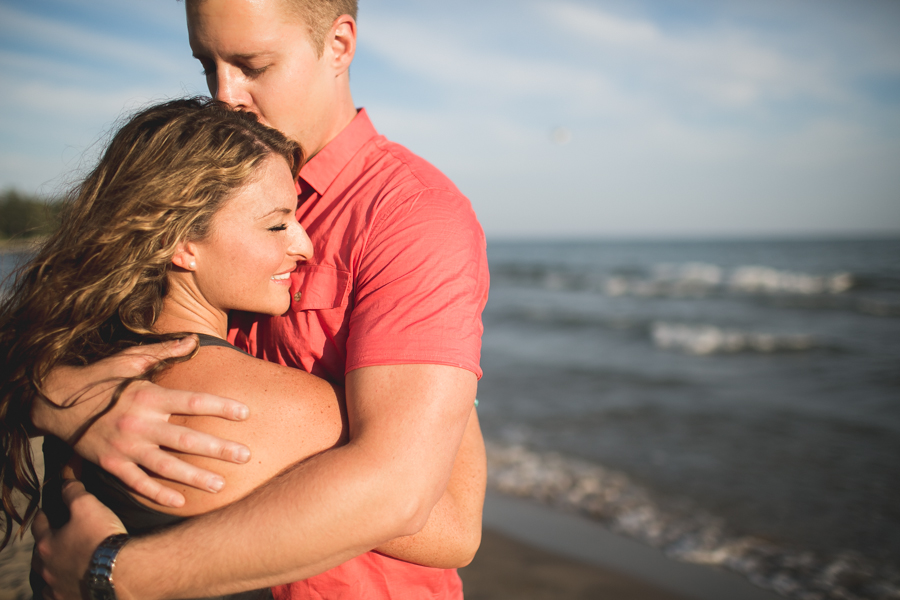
pixel 177 402
pixel 40 527
pixel 135 478
pixel 140 358
pixel 167 349
pixel 173 468
pixel 72 490
pixel 187 441
pixel 84 505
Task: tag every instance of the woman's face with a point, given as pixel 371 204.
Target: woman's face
pixel 254 243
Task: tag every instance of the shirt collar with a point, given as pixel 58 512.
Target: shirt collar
pixel 323 168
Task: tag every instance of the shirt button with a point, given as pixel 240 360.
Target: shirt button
pixel 297 297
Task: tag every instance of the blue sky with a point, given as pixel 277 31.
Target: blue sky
pixel 558 118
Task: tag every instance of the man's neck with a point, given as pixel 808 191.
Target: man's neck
pixel 343 115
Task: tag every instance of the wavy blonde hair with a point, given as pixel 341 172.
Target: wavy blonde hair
pixel 97 286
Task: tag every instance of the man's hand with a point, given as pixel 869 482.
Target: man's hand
pixel 61 557
pixel 128 438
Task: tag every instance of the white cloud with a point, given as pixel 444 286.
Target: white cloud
pixel 76 41
pixel 449 61
pixel 41 68
pixel 719 64
pixel 601 26
pixel 73 102
pixel 161 15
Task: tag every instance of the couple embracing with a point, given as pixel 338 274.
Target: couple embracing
pixel 363 470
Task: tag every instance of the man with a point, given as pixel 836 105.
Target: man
pixel 392 300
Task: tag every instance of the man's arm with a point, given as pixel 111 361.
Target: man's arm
pixel 452 535
pixel 406 423
pixel 130 434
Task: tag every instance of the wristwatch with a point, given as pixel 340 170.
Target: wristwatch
pixel 99 580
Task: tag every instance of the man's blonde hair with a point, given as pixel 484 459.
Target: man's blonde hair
pixel 319 16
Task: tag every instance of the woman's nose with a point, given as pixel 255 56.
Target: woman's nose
pixel 301 248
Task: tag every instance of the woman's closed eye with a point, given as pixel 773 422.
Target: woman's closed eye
pixel 281 227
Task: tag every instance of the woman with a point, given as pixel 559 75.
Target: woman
pixel 190 214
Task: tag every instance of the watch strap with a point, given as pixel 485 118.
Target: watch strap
pixel 99 579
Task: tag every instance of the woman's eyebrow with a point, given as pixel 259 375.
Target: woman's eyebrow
pixel 282 210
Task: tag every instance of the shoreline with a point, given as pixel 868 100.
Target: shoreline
pixel 554 551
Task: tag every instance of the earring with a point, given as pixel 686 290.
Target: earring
pixel 193 265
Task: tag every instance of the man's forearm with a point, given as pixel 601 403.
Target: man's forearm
pixel 406 424
pixel 316 516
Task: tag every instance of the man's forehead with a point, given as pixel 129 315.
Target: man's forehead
pixel 241 28
pixel 286 10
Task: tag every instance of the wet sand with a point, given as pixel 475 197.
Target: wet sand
pixel 505 568
pixel 14 562
pixel 15 559
pixel 569 557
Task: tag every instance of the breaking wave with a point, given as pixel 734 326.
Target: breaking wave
pixel 709 339
pixel 702 279
pixel 875 295
pixel 693 536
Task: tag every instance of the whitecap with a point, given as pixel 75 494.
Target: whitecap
pixel 765 280
pixel 701 339
pixel 612 498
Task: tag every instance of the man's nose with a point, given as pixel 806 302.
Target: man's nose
pixel 229 89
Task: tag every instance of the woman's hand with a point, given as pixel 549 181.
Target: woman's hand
pixel 128 438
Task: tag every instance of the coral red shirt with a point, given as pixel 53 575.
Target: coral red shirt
pixel 399 276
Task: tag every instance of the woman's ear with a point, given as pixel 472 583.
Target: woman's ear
pixel 185 256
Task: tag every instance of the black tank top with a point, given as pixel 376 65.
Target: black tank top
pixel 111 491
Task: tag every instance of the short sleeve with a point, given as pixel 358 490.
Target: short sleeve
pixel 421 285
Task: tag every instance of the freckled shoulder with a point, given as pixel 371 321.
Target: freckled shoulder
pixel 293 415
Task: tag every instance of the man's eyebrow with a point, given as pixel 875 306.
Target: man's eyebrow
pixel 240 56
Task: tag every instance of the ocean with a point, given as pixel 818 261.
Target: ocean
pixel 735 403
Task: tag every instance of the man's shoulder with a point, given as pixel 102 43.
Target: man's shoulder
pixel 402 170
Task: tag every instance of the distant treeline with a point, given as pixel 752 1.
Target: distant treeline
pixel 24 216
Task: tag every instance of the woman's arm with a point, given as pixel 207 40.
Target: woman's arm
pixel 295 415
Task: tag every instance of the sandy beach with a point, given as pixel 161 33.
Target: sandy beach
pixel 15 559
pixel 505 568
pixel 14 562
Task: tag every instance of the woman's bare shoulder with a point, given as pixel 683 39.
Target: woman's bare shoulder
pixel 220 368
pixel 293 415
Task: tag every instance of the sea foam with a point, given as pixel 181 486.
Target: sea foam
pixel 704 279
pixel 703 339
pixel 626 507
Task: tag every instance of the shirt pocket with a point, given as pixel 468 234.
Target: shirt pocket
pixel 319 287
